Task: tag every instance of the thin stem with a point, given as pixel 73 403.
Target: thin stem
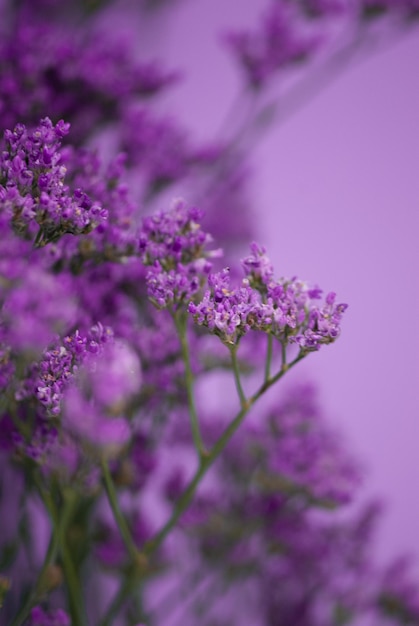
pixel 283 354
pixel 117 513
pixel 206 462
pixel 243 99
pixel 48 560
pixel 310 86
pixel 301 355
pixel 73 585
pixel 180 506
pixel 75 597
pixel 268 361
pixel 236 370
pixel 221 166
pixel 181 326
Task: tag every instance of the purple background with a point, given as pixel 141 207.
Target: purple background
pixel 336 190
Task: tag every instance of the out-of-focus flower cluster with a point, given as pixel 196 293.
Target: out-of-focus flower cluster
pixel 293 33
pixel 82 75
pixel 268 525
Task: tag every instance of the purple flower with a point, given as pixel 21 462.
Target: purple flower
pixel 72 72
pixel 36 308
pixel 114 375
pixel 56 617
pixel 32 190
pixel 174 237
pixel 114 239
pixel 225 311
pixel 160 150
pixel 323 325
pixel 277 44
pixel 95 402
pixel 257 267
pixel 283 308
pixel 167 288
pixel 85 420
pixel 174 245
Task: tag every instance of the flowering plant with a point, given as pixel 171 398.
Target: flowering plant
pixel 124 498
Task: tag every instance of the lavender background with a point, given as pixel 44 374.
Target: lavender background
pixel 336 190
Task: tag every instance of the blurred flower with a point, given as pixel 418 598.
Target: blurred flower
pixel 97 398
pixel 278 43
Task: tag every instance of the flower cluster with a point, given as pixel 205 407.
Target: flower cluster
pixel 277 45
pixel 32 189
pixel 36 308
pixel 292 34
pixel 114 238
pixel 298 447
pixel 161 149
pixel 75 74
pixel 95 402
pixel 40 394
pixel 174 245
pixel 284 309
pixel 224 311
pixel 268 523
pixel 48 378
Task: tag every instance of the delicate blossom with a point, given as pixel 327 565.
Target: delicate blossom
pixel 174 246
pixel 284 308
pixel 32 189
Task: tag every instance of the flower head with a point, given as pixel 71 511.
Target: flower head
pixel 173 245
pixel 284 308
pixel 32 188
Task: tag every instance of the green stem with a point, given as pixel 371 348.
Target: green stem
pixel 181 326
pixel 73 585
pixel 268 361
pixel 206 462
pixel 236 370
pixel 284 354
pixel 75 597
pixel 48 560
pixel 117 513
pixel 180 506
pixel 286 367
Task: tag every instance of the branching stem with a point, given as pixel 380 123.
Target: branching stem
pixel 60 526
pixel 237 379
pixel 206 462
pixel 117 513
